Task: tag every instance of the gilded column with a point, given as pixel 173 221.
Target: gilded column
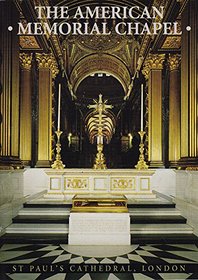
pixel 174 110
pixel 9 78
pixel 189 82
pixel 26 109
pixel 153 72
pixel 47 71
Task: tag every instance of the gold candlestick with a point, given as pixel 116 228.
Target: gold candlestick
pixel 141 163
pixel 100 158
pixel 58 164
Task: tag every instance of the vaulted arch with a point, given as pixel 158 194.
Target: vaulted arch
pixel 97 63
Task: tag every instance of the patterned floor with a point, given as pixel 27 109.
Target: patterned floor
pixel 64 262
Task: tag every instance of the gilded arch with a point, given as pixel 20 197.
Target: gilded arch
pixel 100 63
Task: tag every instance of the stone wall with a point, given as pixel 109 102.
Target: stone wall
pixel 11 195
pixel 164 182
pixel 187 196
pixel 35 181
pixel 17 187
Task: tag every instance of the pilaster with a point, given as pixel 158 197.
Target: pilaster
pixel 174 110
pixel 26 109
pixel 189 81
pixel 153 73
pixel 9 98
pixel 47 68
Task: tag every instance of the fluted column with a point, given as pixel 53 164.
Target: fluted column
pixel 174 110
pixel 189 82
pixel 26 109
pixel 153 73
pixel 47 71
pixel 9 78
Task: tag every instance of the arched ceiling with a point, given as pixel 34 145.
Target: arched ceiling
pixel 103 83
pixel 100 63
pixel 89 54
pixel 85 55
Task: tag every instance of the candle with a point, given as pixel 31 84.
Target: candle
pixel 59 102
pixel 142 95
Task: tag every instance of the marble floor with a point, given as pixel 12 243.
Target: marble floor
pixel 166 249
pixel 62 261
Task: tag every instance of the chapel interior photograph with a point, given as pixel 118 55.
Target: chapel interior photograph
pixel 98 139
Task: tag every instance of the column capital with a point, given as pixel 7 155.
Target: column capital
pixel 47 61
pixel 155 61
pixel 25 60
pixel 174 61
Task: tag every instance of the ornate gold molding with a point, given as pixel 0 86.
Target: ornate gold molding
pixel 54 71
pixel 123 183
pixel 172 42
pixel 25 60
pixel 174 61
pixel 28 42
pixel 56 43
pixel 192 168
pixel 145 42
pixel 47 61
pixel 76 183
pixel 145 71
pixel 147 39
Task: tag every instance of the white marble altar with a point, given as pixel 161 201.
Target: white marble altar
pixel 67 182
pixel 17 186
pixel 99 229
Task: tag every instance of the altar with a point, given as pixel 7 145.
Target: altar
pixel 99 214
pixel 65 183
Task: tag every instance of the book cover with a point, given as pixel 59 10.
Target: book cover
pixel 98 139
